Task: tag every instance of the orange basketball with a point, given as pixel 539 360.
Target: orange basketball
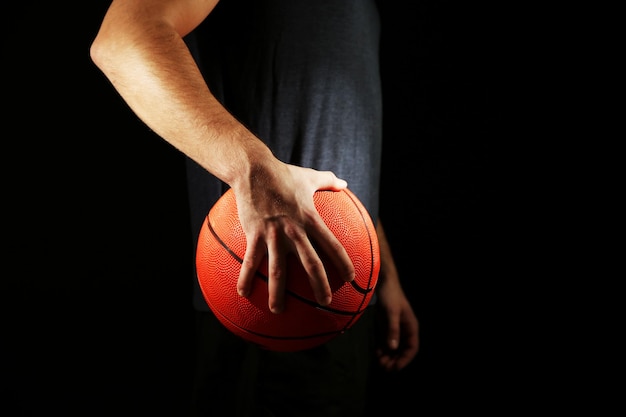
pixel 303 324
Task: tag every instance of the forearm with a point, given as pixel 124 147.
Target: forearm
pixel 388 272
pixel 144 56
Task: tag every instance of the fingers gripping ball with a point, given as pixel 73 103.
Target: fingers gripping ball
pixel 303 324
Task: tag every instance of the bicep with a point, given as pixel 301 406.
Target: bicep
pixel 182 15
pixel 186 15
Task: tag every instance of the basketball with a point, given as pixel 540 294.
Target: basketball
pixel 304 323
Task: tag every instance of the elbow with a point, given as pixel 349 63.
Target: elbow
pixel 106 54
pixel 109 46
pixel 98 52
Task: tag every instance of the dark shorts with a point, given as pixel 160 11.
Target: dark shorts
pixel 235 379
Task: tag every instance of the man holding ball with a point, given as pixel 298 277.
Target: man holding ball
pixel 275 99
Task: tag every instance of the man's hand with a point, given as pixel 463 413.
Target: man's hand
pixel 278 217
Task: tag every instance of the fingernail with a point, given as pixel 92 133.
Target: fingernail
pixel 276 309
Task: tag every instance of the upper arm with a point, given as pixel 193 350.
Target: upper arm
pixel 127 24
pixel 182 15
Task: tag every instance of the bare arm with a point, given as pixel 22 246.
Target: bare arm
pixel 401 324
pixel 140 49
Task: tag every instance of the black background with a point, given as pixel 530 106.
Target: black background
pixel 98 317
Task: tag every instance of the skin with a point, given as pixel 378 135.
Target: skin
pixel 140 49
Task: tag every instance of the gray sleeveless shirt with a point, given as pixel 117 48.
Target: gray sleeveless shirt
pixel 304 77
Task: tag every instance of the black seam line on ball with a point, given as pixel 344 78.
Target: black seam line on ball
pixel 291 293
pixel 365 221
